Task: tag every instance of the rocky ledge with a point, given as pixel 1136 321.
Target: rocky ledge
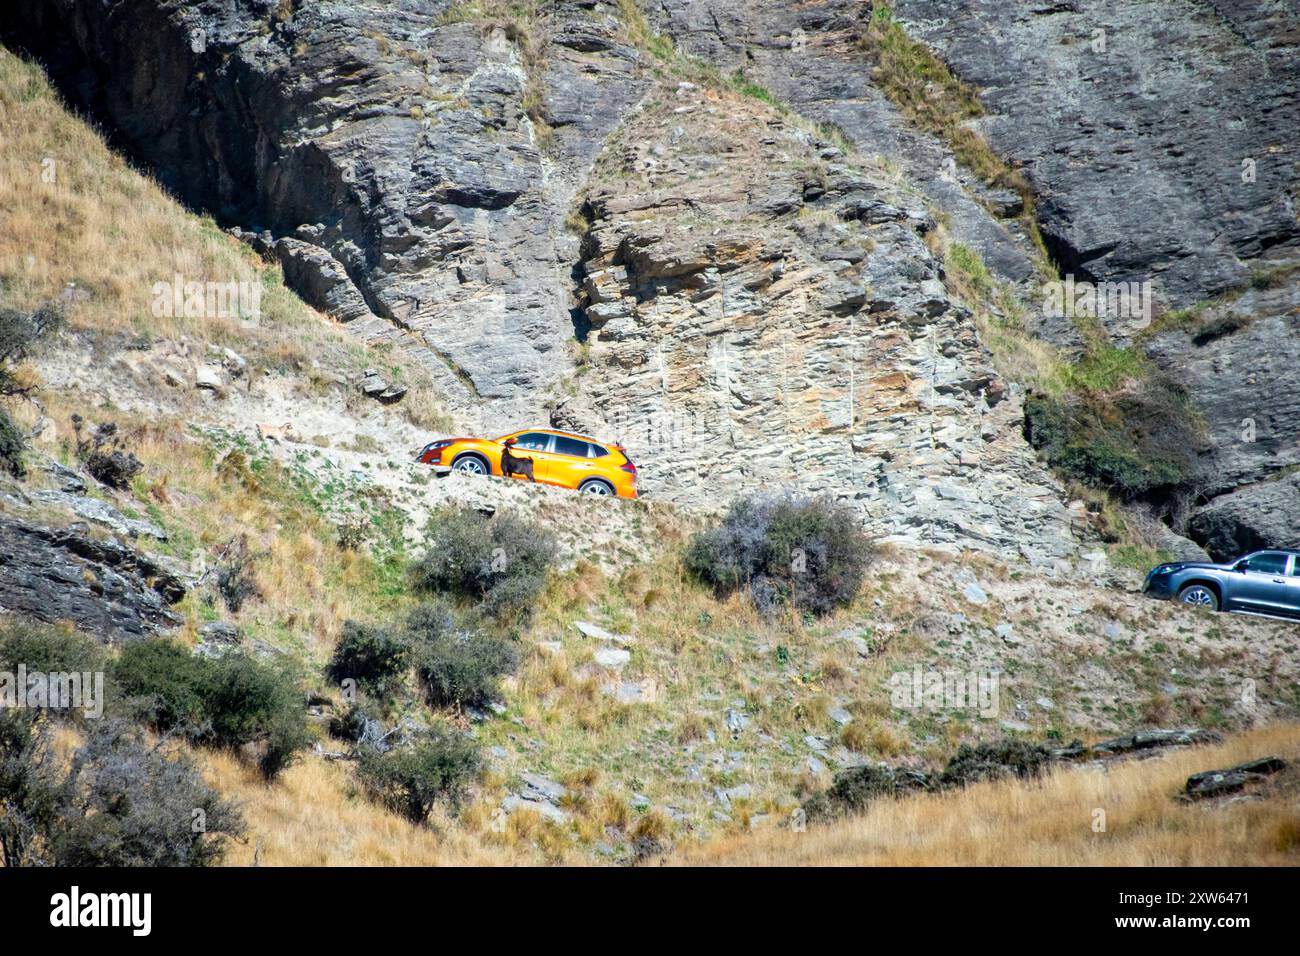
pixel 101 586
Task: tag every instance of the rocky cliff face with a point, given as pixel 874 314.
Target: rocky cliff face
pixel 752 305
pixel 1163 138
pixel 69 556
pixel 808 54
pixel 764 312
pixel 1160 140
pixel 383 151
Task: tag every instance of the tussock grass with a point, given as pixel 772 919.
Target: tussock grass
pixel 1050 822
pixel 315 815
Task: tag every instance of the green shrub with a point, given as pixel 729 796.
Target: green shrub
pixel 499 561
pixel 994 761
pixel 439 765
pixel 1139 443
pixel 28 787
pixel 48 649
pixel 809 553
pixel 117 802
pixel 374 657
pixel 164 683
pixel 12 444
pixel 236 574
pixel 458 666
pixel 228 702
pixel 856 787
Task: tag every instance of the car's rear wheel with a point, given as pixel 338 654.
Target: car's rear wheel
pixel 1199 595
pixel 470 465
pixel 594 486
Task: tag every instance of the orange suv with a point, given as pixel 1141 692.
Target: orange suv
pixel 559 458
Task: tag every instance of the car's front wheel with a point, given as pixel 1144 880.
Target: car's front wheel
pixel 1199 595
pixel 470 465
pixel 594 486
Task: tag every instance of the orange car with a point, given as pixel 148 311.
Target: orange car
pixel 559 458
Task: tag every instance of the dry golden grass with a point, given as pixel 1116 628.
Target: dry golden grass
pixel 312 816
pixel 1050 822
pixel 76 212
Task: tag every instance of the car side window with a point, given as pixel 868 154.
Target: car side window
pixel 570 446
pixel 1295 565
pixel 534 441
pixel 597 451
pixel 1267 562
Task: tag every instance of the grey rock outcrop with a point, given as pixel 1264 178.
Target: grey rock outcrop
pixel 103 588
pixel 1257 516
pixel 758 315
pixel 1160 141
pixel 1162 137
pixel 1219 783
pixel 101 512
pixel 410 166
pixel 807 54
pixel 1240 359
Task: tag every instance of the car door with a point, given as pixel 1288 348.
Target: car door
pixel 573 463
pixel 1293 587
pixel 1263 585
pixel 537 447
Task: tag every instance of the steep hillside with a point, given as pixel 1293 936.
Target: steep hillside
pixel 391 156
pixel 762 244
pixel 1143 142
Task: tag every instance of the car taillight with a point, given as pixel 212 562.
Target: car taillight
pixel 628 467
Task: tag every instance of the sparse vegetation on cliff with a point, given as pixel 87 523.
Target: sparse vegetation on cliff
pixel 936 100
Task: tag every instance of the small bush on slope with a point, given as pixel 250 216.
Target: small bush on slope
pixel 119 802
pixel 48 649
pixel 439 765
pixel 228 702
pixel 375 657
pixel 806 553
pixel 500 561
pixel 458 666
pixel 1137 437
pixel 11 447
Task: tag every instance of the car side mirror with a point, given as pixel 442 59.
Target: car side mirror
pixel 1241 566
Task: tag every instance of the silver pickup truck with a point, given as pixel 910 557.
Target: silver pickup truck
pixel 1266 582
